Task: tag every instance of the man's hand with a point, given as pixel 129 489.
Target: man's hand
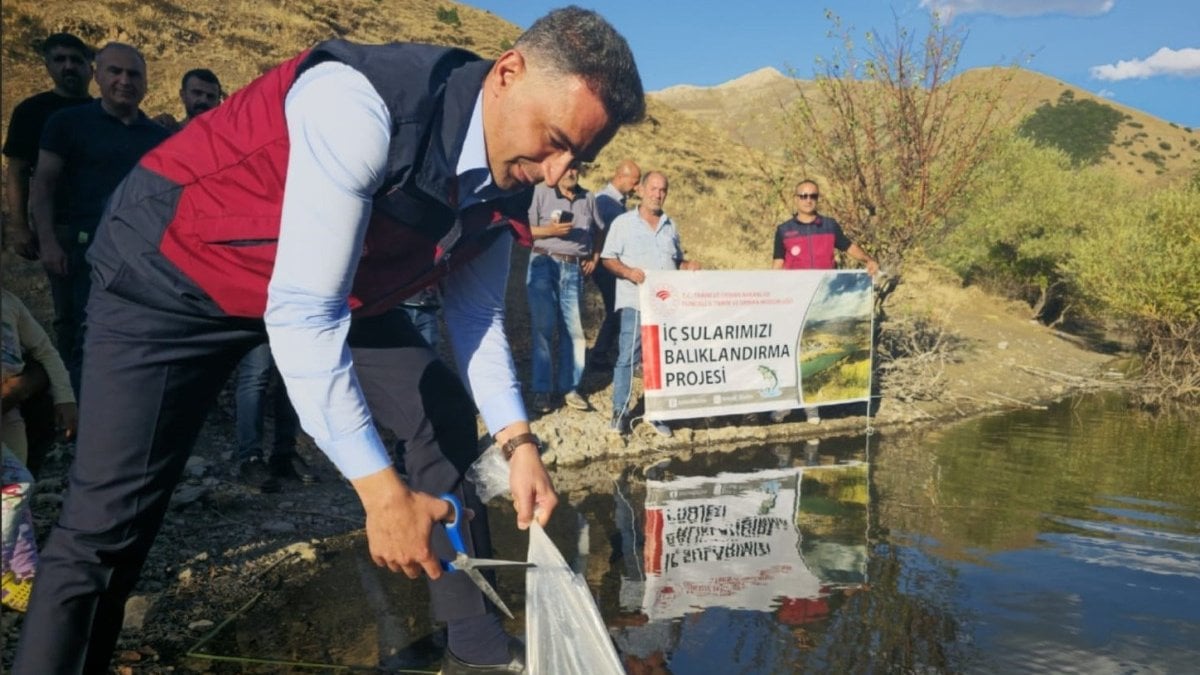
pixel 20 239
pixel 54 259
pixel 533 493
pixel 399 522
pixel 20 388
pixel 872 268
pixel 636 275
pixel 66 415
pixel 588 265
pixel 557 229
pixel 691 265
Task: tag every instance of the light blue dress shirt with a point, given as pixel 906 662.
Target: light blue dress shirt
pixel 638 244
pixel 339 130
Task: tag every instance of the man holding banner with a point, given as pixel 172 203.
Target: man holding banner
pixel 640 240
pixel 807 242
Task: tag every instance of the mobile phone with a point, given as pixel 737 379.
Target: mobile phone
pixel 562 216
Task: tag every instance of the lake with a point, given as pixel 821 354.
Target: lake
pixel 1064 539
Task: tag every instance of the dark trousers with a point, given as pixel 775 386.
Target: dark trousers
pixel 152 370
pixel 70 295
pixel 606 338
pixel 254 376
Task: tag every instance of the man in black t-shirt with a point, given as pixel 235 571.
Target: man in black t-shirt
pixel 85 152
pixel 69 63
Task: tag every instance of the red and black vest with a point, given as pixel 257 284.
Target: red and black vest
pixel 211 196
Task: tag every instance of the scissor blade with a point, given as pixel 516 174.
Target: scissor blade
pixel 488 590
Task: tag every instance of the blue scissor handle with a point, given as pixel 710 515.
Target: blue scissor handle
pixel 454 531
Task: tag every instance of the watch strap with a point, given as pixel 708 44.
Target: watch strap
pixel 510 446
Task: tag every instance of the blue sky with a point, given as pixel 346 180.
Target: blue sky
pixel 1141 53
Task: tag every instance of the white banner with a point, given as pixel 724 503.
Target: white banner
pixel 719 343
pixel 734 540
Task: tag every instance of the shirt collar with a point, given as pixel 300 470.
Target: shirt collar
pixel 474 176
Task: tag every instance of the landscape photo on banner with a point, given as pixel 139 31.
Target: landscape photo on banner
pixel 720 343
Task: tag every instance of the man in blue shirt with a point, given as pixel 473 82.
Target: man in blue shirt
pixel 610 203
pixel 645 239
pixel 85 152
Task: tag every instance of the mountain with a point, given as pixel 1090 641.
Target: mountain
pixel 1146 149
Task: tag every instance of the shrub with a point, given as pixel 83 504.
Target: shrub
pixel 1155 288
pixel 1021 223
pixel 449 16
pixel 1082 129
pixel 1164 145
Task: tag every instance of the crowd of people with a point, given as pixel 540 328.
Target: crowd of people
pixel 307 236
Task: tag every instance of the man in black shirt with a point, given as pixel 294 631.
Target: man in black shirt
pixel 85 152
pixel 69 63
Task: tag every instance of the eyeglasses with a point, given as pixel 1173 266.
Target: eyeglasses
pixel 809 195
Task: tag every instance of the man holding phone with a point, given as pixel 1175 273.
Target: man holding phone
pixel 562 218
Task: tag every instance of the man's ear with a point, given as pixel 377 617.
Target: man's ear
pixel 508 69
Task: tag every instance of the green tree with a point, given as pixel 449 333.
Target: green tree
pixel 1084 129
pixel 1022 222
pixel 896 136
pixel 1139 264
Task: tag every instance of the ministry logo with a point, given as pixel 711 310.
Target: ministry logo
pixel 665 299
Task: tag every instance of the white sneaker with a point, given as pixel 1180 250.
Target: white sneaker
pixel 812 415
pixel 778 416
pixel 662 429
pixel 575 400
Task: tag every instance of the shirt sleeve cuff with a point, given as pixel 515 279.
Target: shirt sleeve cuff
pixel 502 410
pixel 359 454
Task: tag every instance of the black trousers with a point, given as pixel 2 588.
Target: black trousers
pixel 153 367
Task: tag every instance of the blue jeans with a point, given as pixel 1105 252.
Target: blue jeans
pixel 254 375
pixel 424 318
pixel 611 325
pixel 554 288
pixel 630 354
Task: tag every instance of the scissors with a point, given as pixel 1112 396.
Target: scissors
pixel 465 563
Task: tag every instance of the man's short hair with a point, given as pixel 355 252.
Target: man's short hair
pixel 578 41
pixel 646 177
pixel 114 46
pixel 202 74
pixel 67 41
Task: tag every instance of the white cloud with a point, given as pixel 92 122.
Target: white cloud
pixel 1166 61
pixel 1106 93
pixel 948 9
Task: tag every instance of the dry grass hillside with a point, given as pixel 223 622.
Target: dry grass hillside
pixel 237 39
pixel 1146 149
pixel 711 178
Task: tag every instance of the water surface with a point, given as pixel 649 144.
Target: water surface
pixel 1057 540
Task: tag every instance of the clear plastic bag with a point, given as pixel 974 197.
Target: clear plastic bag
pixel 489 473
pixel 564 632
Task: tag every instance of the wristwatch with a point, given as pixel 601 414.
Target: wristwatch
pixel 510 446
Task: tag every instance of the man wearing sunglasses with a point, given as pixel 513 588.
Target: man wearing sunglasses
pixel 807 241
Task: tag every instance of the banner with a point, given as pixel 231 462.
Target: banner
pixel 719 343
pixel 746 541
